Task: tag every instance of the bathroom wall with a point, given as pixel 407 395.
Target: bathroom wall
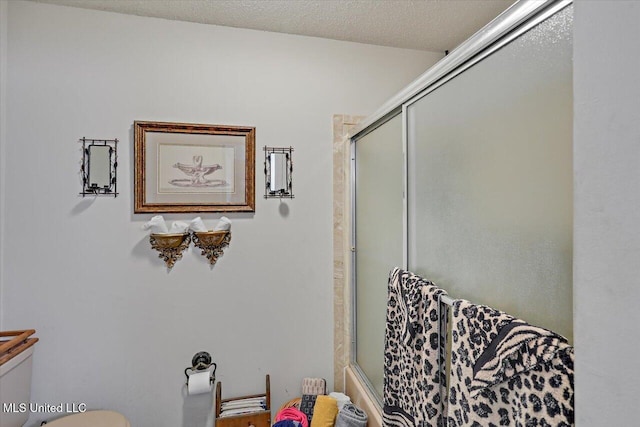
pixel 607 211
pixel 4 6
pixel 116 328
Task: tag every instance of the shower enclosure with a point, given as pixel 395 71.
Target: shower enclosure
pixel 466 179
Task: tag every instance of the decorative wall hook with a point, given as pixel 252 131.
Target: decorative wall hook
pixel 170 246
pixel 212 243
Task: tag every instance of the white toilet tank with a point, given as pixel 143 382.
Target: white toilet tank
pixel 15 388
pixel 15 378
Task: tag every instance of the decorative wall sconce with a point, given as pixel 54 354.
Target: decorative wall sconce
pixel 212 243
pixel 172 242
pixel 170 246
pixel 278 168
pixel 99 166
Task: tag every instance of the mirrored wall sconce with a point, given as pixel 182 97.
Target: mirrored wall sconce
pixel 99 166
pixel 212 243
pixel 278 167
pixel 170 246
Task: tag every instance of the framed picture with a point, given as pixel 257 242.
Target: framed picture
pixel 184 167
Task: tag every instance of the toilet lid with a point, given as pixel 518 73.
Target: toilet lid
pixel 91 418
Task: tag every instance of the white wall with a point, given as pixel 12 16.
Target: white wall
pixel 116 328
pixel 4 7
pixel 607 212
pixel 106 310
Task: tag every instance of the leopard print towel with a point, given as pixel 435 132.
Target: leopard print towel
pixel 411 365
pixel 505 372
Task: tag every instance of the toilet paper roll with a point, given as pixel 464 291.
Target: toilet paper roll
pixel 178 227
pixel 199 383
pixel 157 225
pixel 223 225
pixel 197 224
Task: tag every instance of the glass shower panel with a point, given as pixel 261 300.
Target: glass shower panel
pixel 490 209
pixel 378 239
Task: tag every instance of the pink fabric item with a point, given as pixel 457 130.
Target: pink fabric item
pixel 292 414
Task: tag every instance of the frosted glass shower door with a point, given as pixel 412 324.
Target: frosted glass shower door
pixel 378 239
pixel 490 206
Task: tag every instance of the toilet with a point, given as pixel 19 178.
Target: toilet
pixel 15 387
pixel 91 418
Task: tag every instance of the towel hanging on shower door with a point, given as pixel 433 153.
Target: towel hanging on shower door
pixel 507 372
pixel 411 362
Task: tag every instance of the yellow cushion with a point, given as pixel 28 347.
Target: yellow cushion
pixel 324 412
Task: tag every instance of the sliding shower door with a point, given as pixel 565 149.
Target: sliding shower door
pixel 378 166
pixel 490 197
pixel 471 186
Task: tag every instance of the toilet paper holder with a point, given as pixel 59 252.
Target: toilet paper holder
pixel 201 361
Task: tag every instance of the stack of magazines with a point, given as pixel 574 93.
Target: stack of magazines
pixel 243 406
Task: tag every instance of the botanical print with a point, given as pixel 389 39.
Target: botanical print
pixel 185 168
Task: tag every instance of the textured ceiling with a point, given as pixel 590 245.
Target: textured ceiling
pixel 435 25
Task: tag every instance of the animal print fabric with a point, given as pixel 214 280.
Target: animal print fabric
pixel 411 360
pixel 505 372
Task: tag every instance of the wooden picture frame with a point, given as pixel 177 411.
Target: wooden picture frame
pixel 185 167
